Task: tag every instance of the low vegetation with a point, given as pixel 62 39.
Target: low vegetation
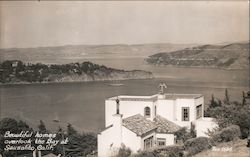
pixel 196 145
pixel 124 151
pixel 227 134
pixel 229 113
pixel 182 135
pixel 236 148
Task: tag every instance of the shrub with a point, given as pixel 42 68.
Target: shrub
pixel 169 151
pixel 124 151
pixel 196 145
pixel 166 151
pixel 227 134
pixel 182 135
pixel 144 154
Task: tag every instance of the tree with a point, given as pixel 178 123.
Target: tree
pixel 71 130
pixel 213 104
pixel 23 126
pixel 243 98
pixel 182 135
pixel 8 124
pixel 233 114
pixel 226 99
pixel 79 144
pixel 42 128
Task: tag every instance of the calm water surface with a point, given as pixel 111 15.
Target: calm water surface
pixel 82 104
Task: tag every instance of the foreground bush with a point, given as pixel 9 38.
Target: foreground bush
pixel 183 134
pixel 227 134
pixel 166 151
pixel 144 154
pixel 124 151
pixel 231 113
pixel 169 151
pixel 196 145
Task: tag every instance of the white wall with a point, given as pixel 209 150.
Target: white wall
pixel 131 140
pixel 105 142
pixel 127 109
pixel 110 110
pixel 109 140
pixel 169 138
pixel 192 113
pixel 130 108
pixel 166 109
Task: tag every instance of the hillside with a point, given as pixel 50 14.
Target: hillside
pixel 228 149
pixel 76 53
pixel 18 72
pixel 231 56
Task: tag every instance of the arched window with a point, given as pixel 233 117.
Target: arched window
pixel 147 112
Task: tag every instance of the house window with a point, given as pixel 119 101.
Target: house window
pixel 161 141
pixel 148 143
pixel 147 112
pixel 185 113
pixel 198 111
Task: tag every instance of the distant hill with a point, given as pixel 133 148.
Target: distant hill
pixel 230 56
pixel 76 53
pixel 15 71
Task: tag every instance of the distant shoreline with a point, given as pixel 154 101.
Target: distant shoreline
pixel 40 83
pixel 198 67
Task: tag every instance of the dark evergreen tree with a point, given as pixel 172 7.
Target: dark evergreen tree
pixel 243 98
pixel 71 130
pixel 213 102
pixel 42 128
pixel 227 98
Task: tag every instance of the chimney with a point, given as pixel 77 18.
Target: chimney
pixel 117 126
pixel 117 105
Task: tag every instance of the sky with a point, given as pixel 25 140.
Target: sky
pixel 54 23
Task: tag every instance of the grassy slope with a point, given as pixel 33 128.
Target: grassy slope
pixel 232 56
pixel 239 149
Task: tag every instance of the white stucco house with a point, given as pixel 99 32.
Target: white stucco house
pixel 142 122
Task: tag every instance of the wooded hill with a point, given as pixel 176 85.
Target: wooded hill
pixel 18 72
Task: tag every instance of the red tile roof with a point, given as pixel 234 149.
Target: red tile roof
pixel 139 124
pixel 164 125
